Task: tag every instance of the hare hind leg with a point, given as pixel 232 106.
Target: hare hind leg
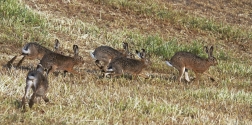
pixel 181 72
pixel 9 63
pixel 20 62
pixel 31 102
pixel 45 98
pixel 186 75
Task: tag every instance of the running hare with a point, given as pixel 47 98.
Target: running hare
pixel 106 53
pixel 33 51
pixel 54 61
pixel 39 84
pixel 183 61
pixel 120 65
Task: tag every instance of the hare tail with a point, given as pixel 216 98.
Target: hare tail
pixel 168 63
pixel 26 50
pixel 92 55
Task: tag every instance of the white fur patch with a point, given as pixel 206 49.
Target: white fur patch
pixel 168 63
pixel 110 69
pixel 28 51
pixel 92 55
pixel 187 77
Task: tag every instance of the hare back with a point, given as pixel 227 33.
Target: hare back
pixel 34 50
pixel 55 59
pixel 106 52
pixel 127 65
pixel 189 61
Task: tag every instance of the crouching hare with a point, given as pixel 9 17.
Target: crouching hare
pixel 54 61
pixel 39 84
pixel 120 65
pixel 183 61
pixel 107 53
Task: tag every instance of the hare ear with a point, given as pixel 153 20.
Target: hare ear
pixel 125 46
pixel 76 49
pixel 56 46
pixel 211 51
pixel 206 49
pixel 143 53
pixel 138 54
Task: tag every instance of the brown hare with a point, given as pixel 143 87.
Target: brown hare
pixel 183 61
pixel 39 84
pixel 120 65
pixel 55 61
pixel 33 51
pixel 106 53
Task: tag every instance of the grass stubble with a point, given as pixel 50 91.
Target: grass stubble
pixel 90 99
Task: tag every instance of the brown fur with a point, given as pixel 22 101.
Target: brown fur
pixel 186 60
pixel 39 85
pixel 54 61
pixel 120 65
pixel 36 52
pixel 106 53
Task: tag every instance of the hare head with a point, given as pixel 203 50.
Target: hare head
pixel 36 81
pixel 183 61
pixel 211 59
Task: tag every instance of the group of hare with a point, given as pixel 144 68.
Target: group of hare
pixel 111 62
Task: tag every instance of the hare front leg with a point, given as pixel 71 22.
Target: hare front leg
pixel 20 62
pixel 181 72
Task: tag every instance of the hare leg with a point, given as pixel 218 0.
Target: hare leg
pixel 197 78
pixel 32 100
pixel 209 76
pixel 20 62
pixel 181 72
pixel 186 75
pixel 23 101
pixel 72 71
pixel 97 62
pixel 11 61
pixel 144 76
pixel 45 98
pixel 51 69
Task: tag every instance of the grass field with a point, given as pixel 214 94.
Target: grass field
pixel 162 27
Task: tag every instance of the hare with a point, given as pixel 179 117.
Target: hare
pixel 183 61
pixel 54 61
pixel 39 84
pixel 33 51
pixel 106 53
pixel 120 65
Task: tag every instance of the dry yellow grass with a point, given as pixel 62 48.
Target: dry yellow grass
pixel 90 99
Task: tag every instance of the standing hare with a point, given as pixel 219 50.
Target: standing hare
pixel 106 53
pixel 33 51
pixel 54 61
pixel 183 61
pixel 39 84
pixel 120 65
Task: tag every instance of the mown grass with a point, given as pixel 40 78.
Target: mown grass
pixel 163 12
pixel 89 99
